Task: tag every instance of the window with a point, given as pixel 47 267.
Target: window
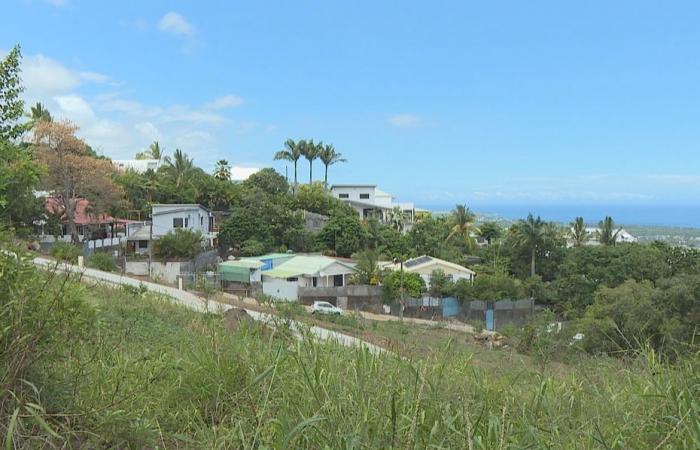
pixel 314 282
pixel 364 196
pixel 201 221
pixel 293 279
pixel 337 280
pixel 187 222
pixel 143 244
pixel 343 195
pixel 177 222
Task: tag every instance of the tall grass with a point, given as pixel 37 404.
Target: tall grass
pixel 144 373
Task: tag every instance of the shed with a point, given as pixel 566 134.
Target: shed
pixel 241 270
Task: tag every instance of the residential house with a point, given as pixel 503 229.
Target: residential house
pixel 425 265
pixel 166 218
pixel 284 280
pixel 370 201
pixel 623 236
pixel 137 165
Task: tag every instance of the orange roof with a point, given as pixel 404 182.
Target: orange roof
pixel 83 212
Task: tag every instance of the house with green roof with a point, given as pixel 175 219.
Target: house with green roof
pixel 283 281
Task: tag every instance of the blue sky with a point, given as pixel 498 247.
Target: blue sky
pixel 511 102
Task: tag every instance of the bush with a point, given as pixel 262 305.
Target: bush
pixel 179 244
pixel 102 261
pixel 65 251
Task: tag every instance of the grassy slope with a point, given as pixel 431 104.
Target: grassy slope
pixel 153 374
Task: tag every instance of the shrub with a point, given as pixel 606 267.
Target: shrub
pixel 102 261
pixel 65 251
pixel 179 244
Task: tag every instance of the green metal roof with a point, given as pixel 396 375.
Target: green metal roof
pixel 246 263
pixel 271 256
pixel 303 265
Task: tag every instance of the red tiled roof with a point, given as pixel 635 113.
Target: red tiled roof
pixel 83 214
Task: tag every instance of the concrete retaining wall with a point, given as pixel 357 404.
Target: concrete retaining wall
pixel 354 297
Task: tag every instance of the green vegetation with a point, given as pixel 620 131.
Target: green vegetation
pixel 65 251
pixel 102 261
pixel 178 244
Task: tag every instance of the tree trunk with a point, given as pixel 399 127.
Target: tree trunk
pixel 294 189
pixel 70 215
pixel 532 262
pixel 325 178
pixel 311 172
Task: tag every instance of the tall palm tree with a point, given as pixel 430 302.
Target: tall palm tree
pixel 578 232
pixel 310 151
pixel 328 157
pixel 532 234
pixel 462 221
pixel 38 113
pixel 607 234
pixel 153 152
pixel 180 167
pixel 292 153
pixel 223 170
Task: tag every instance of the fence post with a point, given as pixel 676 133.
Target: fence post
pixel 81 261
pixel 179 282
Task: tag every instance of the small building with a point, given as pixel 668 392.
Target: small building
pixel 272 260
pixel 370 201
pixel 137 165
pixel 284 280
pixel 425 265
pixel 623 236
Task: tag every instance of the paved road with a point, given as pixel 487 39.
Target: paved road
pixel 200 304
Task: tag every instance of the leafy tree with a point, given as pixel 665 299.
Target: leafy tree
pixel 180 168
pixel 329 157
pixel 462 222
pixel 394 244
pixel 531 234
pixel 268 181
pixel 71 174
pixel 367 268
pixel 429 236
pixel 607 234
pixel 291 153
pixel 19 175
pixel 222 171
pixel 578 232
pixel 310 151
pixel 490 231
pixel 490 287
pixel 343 234
pixel 396 219
pixel 11 104
pixel 180 243
pixel 314 198
pixel 413 285
pixel 38 113
pixel 440 284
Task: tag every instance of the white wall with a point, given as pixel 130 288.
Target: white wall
pixel 197 219
pixel 280 289
pixel 354 193
pixel 167 272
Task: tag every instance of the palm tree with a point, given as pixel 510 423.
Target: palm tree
pixel 490 231
pixel 328 157
pixel 607 235
pixel 310 151
pixel 180 167
pixel 38 113
pixel 532 234
pixel 153 152
pixel 223 170
pixel 462 221
pixel 291 152
pixel 395 218
pixel 578 232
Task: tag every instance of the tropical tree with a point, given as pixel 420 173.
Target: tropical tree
pixel 462 225
pixel 180 167
pixel 579 234
pixel 367 268
pixel 329 157
pixel 37 113
pixel 291 153
pixel 490 231
pixel 310 151
pixel 531 233
pixel 153 152
pixel 12 105
pixel 395 218
pixel 607 234
pixel 223 170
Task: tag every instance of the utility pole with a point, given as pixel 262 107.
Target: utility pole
pixel 150 245
pixel 401 288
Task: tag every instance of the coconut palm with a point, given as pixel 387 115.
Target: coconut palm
pixel 329 157
pixel 180 167
pixel 153 152
pixel 462 221
pixel 292 153
pixel 531 233
pixel 38 113
pixel 607 234
pixel 223 170
pixel 579 234
pixel 310 151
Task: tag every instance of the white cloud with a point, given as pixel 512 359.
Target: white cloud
pixel 404 120
pixel 94 77
pixel 148 130
pixel 225 102
pixel 43 75
pixel 76 108
pixel 242 173
pixel 173 22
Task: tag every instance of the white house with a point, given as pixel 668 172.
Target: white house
pixel 368 201
pixel 283 281
pixel 137 165
pixel 623 236
pixel 166 218
pixel 425 265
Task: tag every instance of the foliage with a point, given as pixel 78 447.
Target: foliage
pixel 490 231
pixel 344 234
pixel 291 153
pixel 462 226
pixel 268 181
pixel 314 198
pixel 222 171
pixel 607 234
pixel 180 243
pixel 310 150
pixel 533 235
pixel 440 284
pixel 579 234
pixel 11 103
pixel 19 176
pixel 251 247
pixel 429 236
pixel 490 288
pixel 102 261
pixel 65 251
pixel 179 168
pixel 413 286
pixel 329 157
pixel 367 268
pixel 154 151
pixel 542 338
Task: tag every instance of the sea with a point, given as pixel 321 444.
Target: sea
pixel 685 216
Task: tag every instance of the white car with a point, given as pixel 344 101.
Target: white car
pixel 325 308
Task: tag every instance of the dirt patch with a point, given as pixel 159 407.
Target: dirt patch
pixel 234 318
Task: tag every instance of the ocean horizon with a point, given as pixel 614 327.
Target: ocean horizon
pixel 682 216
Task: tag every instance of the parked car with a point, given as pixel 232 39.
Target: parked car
pixel 325 308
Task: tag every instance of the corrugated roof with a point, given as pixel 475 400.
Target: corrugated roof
pixel 304 265
pixel 270 256
pixel 245 263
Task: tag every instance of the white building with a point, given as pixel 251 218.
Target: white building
pixel 370 201
pixel 283 281
pixel 137 165
pixel 425 265
pixel 166 218
pixel 623 236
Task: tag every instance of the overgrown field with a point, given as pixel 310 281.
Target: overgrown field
pixel 129 370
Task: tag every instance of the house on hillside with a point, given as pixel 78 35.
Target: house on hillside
pixel 166 218
pixel 623 236
pixel 284 280
pixel 425 265
pixel 370 201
